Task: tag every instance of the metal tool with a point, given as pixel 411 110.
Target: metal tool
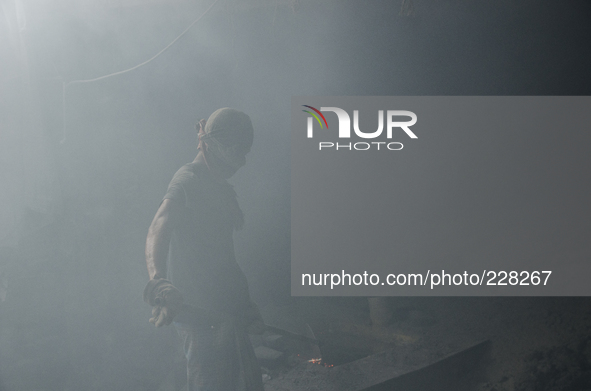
pixel 290 334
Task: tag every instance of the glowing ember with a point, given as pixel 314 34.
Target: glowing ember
pixel 319 361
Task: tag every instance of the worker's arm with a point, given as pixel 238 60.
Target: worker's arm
pixel 158 238
pixel 160 293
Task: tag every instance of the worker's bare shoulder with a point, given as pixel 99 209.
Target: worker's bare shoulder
pixel 168 208
pixel 168 205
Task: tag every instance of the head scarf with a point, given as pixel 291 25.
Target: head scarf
pixel 227 135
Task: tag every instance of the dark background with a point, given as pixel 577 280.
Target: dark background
pixel 81 179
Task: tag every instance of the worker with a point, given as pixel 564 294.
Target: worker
pixel 194 277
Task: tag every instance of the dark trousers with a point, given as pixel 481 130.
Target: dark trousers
pixel 219 358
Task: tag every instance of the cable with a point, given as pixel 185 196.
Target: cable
pixel 147 61
pixel 66 84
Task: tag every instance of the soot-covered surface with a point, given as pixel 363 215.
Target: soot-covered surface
pixel 535 343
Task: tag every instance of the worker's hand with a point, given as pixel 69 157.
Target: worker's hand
pixel 162 316
pixel 166 300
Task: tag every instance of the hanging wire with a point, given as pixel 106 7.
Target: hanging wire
pixel 66 84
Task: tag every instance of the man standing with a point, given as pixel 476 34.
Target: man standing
pixel 194 277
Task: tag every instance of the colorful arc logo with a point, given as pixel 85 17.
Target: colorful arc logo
pixel 316 116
